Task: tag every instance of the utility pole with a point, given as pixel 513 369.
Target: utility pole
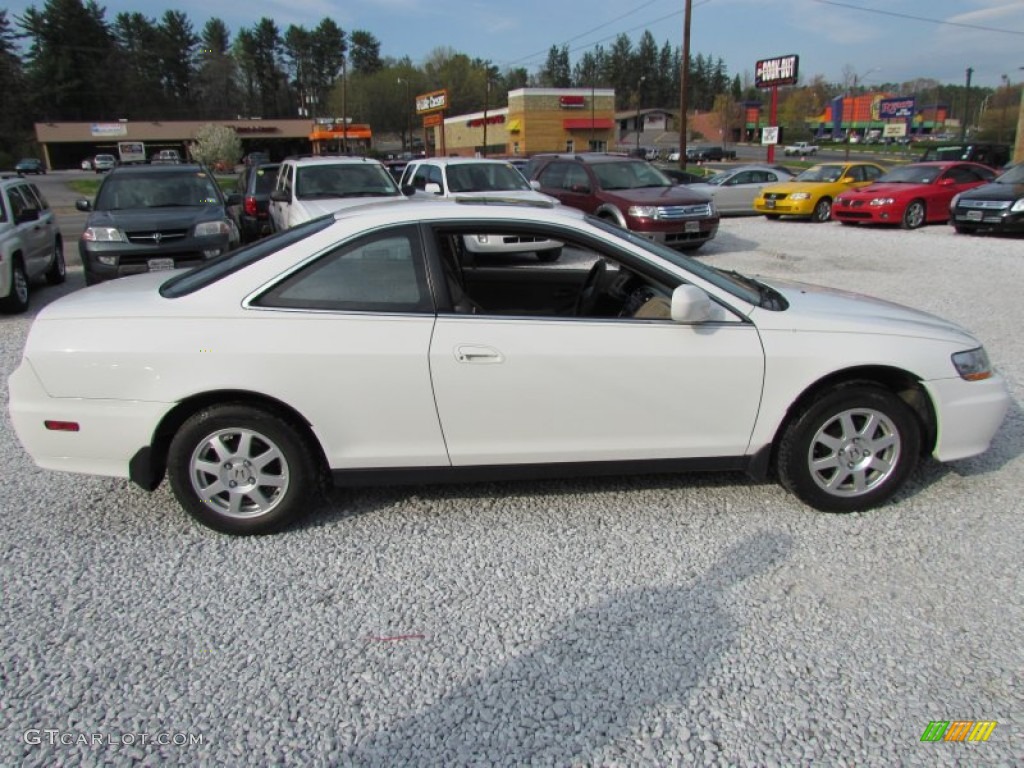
pixel 967 105
pixel 639 124
pixel 684 81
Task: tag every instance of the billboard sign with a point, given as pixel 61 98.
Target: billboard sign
pixel 436 101
pixel 889 109
pixel 782 70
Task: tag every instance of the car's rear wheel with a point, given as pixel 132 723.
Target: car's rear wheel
pixel 913 216
pixel 849 450
pixel 241 470
pixel 822 210
pixel 550 255
pixel 58 271
pixel 16 301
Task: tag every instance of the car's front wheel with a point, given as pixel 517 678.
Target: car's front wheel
pixel 242 470
pixel 849 450
pixel 914 216
pixel 822 210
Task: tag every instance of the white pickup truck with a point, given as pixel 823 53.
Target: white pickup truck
pixel 801 148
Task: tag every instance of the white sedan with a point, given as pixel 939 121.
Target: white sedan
pixel 364 347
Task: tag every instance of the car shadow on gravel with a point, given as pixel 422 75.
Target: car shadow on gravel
pixel 340 503
pixel 726 242
pixel 578 694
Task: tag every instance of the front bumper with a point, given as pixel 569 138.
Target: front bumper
pixel 969 414
pixel 991 219
pixel 785 207
pixel 867 214
pixel 676 234
pixel 135 258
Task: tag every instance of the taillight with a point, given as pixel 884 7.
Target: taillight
pixel 250 205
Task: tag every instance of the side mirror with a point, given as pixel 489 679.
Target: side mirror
pixel 691 305
pixel 280 196
pixel 83 205
pixel 947 182
pixel 432 188
pixel 408 190
pixel 535 185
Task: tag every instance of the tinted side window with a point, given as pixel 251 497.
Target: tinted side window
pixel 383 272
pixel 18 202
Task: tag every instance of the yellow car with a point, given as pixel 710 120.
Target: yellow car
pixel 810 194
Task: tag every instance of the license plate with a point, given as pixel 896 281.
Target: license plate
pixel 693 226
pixel 974 215
pixel 158 265
pixel 769 203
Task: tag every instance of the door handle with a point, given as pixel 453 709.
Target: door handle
pixel 473 354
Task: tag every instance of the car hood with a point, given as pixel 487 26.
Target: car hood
pixel 510 194
pixel 820 309
pixel 814 187
pixel 676 195
pixel 135 219
pixel 318 208
pixel 886 190
pixel 994 192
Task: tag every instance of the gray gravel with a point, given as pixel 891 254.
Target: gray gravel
pixel 697 620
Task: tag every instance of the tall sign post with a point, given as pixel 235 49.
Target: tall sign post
pixel 771 73
pixel 432 107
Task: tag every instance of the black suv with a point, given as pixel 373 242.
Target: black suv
pixel 631 193
pixel 154 217
pixel 252 214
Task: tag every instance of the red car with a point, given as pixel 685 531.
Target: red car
pixel 911 195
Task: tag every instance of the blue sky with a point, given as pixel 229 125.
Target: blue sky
pixel 872 38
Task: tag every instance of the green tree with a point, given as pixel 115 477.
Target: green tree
pixel 556 72
pixel 14 117
pixel 176 48
pixel 217 146
pixel 365 52
pixel 216 89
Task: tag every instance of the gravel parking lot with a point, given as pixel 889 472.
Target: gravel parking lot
pixel 702 619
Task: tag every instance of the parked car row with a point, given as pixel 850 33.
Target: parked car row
pixel 30 243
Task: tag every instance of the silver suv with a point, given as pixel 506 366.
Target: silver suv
pixel 30 243
pixel 312 186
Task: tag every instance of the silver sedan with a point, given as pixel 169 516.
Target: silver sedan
pixel 734 190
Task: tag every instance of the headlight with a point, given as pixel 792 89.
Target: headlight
pixel 208 228
pixel 954 201
pixel 1018 206
pixel 882 201
pixel 643 211
pixel 800 196
pixel 972 365
pixel 104 235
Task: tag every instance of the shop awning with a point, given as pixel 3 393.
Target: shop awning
pixel 586 124
pixel 514 126
pixel 353 132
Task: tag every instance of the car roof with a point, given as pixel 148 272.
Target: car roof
pixel 299 160
pixel 459 161
pixel 593 157
pixel 140 170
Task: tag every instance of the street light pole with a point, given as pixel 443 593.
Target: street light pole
pixel 639 91
pixel 487 94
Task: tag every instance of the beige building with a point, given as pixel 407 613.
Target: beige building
pixel 535 120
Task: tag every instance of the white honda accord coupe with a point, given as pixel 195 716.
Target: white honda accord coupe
pixel 370 347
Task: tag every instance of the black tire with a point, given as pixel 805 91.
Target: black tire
pixel 963 230
pixel 58 271
pixel 822 211
pixel 868 429
pixel 773 216
pixel 16 301
pixel 914 215
pixel 550 255
pixel 219 457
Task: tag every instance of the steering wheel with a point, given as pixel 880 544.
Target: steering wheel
pixel 587 298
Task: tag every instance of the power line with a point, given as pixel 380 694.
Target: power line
pixel 942 22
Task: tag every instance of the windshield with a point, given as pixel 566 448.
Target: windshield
pixel 1013 176
pixel 344 180
pixel 821 173
pixel 157 190
pixel 485 177
pixel 734 284
pixel 630 175
pixel 911 174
